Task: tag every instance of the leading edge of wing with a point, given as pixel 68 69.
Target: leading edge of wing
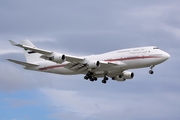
pixel 41 51
pixel 72 59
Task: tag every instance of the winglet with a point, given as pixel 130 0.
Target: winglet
pixel 13 43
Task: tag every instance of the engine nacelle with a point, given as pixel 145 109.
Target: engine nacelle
pixel 127 75
pixel 58 59
pixel 117 78
pixel 93 64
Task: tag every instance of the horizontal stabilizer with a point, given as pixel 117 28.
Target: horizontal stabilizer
pixel 23 63
pixel 13 43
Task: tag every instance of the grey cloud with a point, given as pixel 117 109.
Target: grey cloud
pixel 91 27
pixel 16 103
pixel 24 16
pixel 64 16
pixel 14 78
pixel 89 23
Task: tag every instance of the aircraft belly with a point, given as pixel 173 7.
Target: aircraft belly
pixel 129 64
pixel 64 71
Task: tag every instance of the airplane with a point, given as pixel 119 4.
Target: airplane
pixel 114 64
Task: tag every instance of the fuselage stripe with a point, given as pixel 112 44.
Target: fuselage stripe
pixel 108 60
pixel 132 58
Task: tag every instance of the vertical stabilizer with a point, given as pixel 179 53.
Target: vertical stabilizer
pixel 31 56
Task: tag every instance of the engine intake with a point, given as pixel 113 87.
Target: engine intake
pixel 63 57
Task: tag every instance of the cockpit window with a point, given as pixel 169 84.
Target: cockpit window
pixel 155 48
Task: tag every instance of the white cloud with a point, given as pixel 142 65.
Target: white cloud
pixel 7 51
pixel 71 101
pixel 106 105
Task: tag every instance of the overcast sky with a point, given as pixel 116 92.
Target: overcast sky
pixel 84 27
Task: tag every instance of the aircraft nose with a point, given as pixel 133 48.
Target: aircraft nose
pixel 166 56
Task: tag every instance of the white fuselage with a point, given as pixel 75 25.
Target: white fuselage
pixel 124 59
pixel 112 65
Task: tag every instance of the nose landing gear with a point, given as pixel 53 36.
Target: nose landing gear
pixel 151 70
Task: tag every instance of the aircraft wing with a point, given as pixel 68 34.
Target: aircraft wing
pixel 23 63
pixel 34 49
pixel 48 54
pixel 83 60
pixel 70 58
pixel 81 67
pixel 75 63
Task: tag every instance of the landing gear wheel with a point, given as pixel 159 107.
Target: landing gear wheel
pixel 151 72
pixel 95 79
pixel 106 78
pixel 151 69
pixel 92 79
pixel 104 81
pixel 86 77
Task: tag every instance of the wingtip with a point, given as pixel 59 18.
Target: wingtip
pixel 8 59
pixel 13 43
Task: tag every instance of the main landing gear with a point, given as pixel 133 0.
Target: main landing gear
pixel 90 77
pixel 105 79
pixel 151 70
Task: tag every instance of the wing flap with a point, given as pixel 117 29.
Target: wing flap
pixel 78 67
pixel 23 63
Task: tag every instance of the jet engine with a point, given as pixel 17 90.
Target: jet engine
pixel 58 59
pixel 125 75
pixel 93 64
pixel 120 79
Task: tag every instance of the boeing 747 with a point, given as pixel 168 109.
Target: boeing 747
pixel 112 65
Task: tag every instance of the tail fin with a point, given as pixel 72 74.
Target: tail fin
pixel 31 56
